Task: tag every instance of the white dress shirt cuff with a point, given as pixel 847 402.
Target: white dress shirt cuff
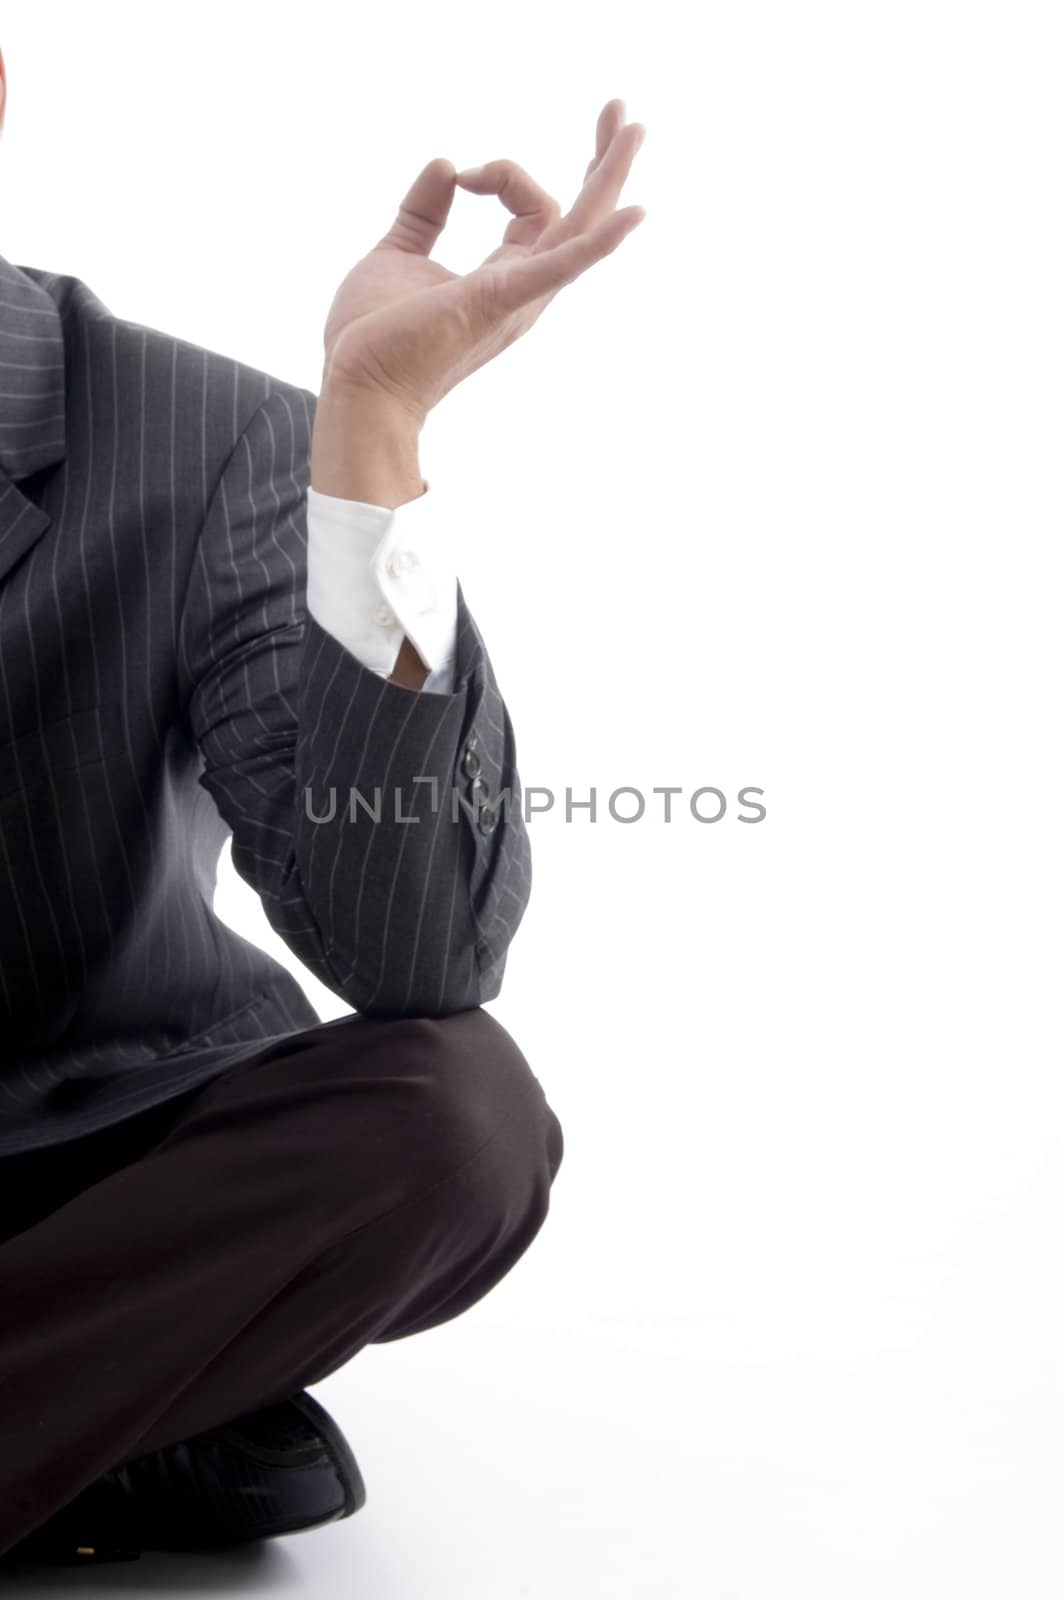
pixel 375 574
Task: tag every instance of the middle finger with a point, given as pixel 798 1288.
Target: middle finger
pixel 602 187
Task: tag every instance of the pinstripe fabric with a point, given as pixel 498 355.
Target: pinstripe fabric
pixel 162 685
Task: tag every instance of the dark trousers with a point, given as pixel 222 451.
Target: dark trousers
pixel 361 1181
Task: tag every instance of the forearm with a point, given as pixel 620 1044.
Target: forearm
pixel 356 812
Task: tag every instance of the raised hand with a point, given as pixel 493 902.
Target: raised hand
pixel 404 330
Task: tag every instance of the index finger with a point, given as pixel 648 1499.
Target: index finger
pixel 533 208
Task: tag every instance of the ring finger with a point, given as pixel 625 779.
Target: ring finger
pixel 601 189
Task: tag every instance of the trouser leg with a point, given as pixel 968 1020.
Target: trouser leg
pixel 366 1180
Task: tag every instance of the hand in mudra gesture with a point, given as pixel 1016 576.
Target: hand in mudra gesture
pixel 402 330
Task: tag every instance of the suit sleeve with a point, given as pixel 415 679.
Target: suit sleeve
pixel 381 826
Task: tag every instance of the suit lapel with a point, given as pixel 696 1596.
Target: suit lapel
pixel 32 405
pixel 21 524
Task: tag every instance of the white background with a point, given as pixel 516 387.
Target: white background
pixel 770 497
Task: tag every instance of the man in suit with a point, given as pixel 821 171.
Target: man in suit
pixel 220 615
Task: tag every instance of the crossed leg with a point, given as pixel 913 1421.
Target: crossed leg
pixel 361 1181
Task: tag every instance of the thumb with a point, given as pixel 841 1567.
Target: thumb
pixel 424 210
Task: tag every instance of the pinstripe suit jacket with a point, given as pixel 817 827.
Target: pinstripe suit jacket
pixel 162 686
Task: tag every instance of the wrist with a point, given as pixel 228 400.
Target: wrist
pixel 364 447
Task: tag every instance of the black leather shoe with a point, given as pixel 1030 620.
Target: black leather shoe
pixel 283 1469
pixel 96 1526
